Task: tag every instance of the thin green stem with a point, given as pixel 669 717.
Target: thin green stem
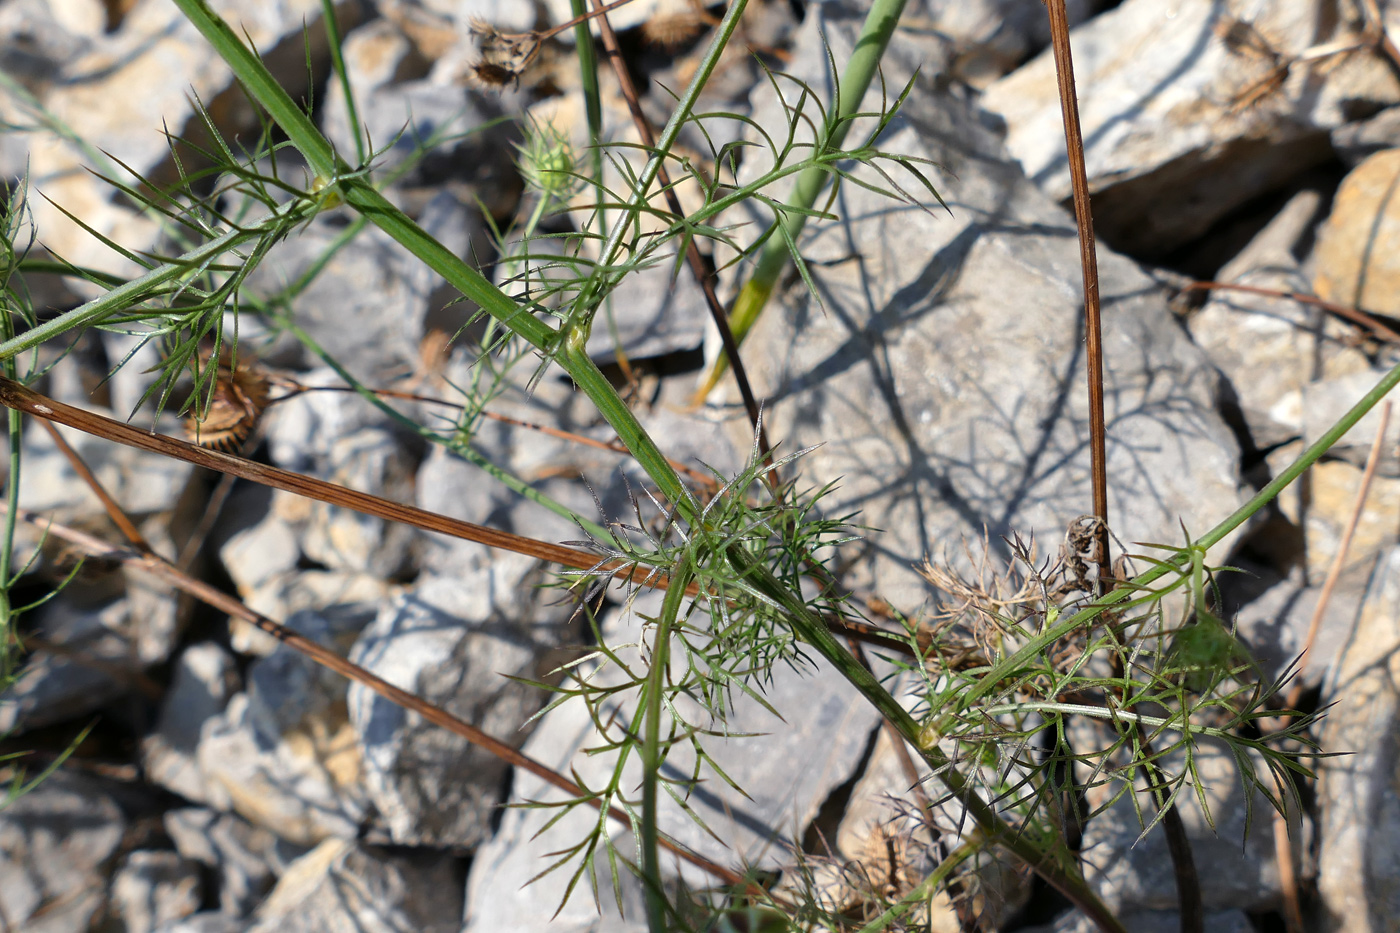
pixel 352 114
pixel 124 296
pixel 860 69
pixel 666 140
pixel 651 748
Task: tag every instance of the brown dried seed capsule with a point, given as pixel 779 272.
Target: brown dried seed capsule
pixel 240 394
pixel 670 31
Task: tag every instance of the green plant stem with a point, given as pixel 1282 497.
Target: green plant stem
pixel 133 291
pixel 865 58
pixel 666 140
pixel 338 65
pixel 651 749
pixel 362 196
pixel 926 888
pixel 588 78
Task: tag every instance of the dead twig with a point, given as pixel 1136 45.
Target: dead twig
pixel 20 398
pixel 1379 329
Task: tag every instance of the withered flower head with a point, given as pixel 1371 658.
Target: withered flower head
pixel 504 55
pixel 670 31
pixel 236 403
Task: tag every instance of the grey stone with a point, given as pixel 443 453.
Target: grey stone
pixel 339 437
pixel 787 771
pixel 302 430
pixel 374 461
pixel 369 305
pixel 1152 921
pixel 142 483
pixel 205 678
pixel 87 662
pixel 283 753
pixel 1186 115
pixel 56 843
pixel 206 922
pixel 245 858
pixel 401 111
pixel 355 597
pixel 343 887
pixel 942 372
pixel 1325 401
pixel 154 888
pixel 980 41
pixel 1274 626
pixel 1358 794
pixel 454 643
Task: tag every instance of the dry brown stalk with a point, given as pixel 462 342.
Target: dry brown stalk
pixel 1183 865
pixel 1089 266
pixel 1379 329
pixel 16 396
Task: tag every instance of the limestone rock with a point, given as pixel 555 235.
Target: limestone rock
pixel 245 859
pixel 1152 921
pixel 209 921
pixel 343 887
pixel 155 888
pixel 452 642
pixel 1269 347
pixel 1356 142
pixel 1358 246
pixel 1188 110
pixel 55 847
pixel 1332 488
pixel 942 372
pixel 204 680
pixel 369 305
pixel 1274 626
pixel 84 657
pixel 1324 402
pixel 283 753
pixel 787 772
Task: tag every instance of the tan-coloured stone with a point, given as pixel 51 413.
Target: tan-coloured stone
pixel 1331 491
pixel 1359 792
pixel 1358 249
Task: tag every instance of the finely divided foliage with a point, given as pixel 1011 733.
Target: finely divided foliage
pixel 996 692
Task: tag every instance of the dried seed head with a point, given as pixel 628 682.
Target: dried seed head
pixel 670 31
pixel 236 404
pixel 504 55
